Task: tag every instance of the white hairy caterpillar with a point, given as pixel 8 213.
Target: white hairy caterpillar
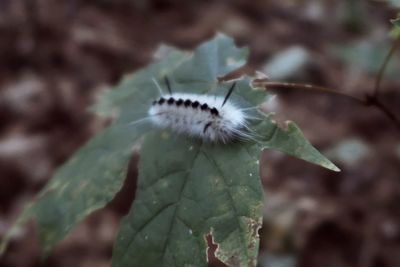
pixel 211 118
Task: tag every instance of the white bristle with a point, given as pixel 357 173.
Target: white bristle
pixel 203 116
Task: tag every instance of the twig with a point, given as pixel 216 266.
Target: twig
pixel 307 87
pixel 375 102
pixel 382 69
pixel 368 100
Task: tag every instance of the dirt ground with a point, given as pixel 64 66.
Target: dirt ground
pixel 56 55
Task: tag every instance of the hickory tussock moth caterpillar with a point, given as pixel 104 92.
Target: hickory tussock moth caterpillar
pixel 211 118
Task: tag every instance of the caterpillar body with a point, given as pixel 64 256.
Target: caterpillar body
pixel 199 116
pixel 211 118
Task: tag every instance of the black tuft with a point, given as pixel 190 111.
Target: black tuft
pixel 161 101
pixel 179 102
pixel 214 111
pixel 206 126
pixel 168 85
pixel 229 93
pixel 195 104
pixel 170 101
pixel 187 102
pixel 204 106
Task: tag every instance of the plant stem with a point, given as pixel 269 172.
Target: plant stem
pixel 368 100
pixel 308 87
pixel 382 69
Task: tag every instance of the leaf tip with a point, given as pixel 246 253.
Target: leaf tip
pixel 330 166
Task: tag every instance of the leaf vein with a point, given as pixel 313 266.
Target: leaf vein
pixel 230 197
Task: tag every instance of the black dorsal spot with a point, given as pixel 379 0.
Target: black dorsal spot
pixel 161 101
pixel 170 101
pixel 195 104
pixel 214 111
pixel 179 102
pixel 187 102
pixel 204 106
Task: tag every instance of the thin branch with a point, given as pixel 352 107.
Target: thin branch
pixel 368 100
pixel 307 87
pixel 375 102
pixel 382 69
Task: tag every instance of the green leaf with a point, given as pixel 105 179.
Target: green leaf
pixel 291 142
pixel 186 189
pixel 85 183
pixel 127 101
pixel 95 173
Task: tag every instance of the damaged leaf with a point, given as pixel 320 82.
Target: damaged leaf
pixel 186 189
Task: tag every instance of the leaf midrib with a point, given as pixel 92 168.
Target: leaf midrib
pixel 178 202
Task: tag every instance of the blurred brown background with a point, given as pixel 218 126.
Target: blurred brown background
pixel 55 55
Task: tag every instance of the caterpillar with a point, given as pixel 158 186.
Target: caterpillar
pixel 212 118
